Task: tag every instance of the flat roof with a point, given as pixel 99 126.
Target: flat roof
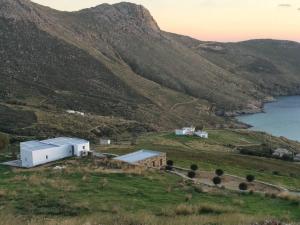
pixel 60 141
pixel 138 156
pixel 50 143
pixel 36 145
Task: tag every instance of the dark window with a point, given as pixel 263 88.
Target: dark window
pixel 153 163
pixel 161 162
pixel 46 157
pixel 83 147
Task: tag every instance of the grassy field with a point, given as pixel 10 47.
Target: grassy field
pixel 85 193
pixel 217 152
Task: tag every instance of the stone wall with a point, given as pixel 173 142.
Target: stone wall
pixel 156 162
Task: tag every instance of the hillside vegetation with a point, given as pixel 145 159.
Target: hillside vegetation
pixel 115 60
pixel 86 191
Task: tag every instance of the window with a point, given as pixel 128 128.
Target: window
pixel 83 147
pixel 153 163
pixel 161 162
pixel 46 157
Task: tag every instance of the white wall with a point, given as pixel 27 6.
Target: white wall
pixel 81 148
pixel 26 158
pixel 51 154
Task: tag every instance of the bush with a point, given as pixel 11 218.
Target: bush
pixel 169 168
pixel 219 172
pixel 194 167
pixel 170 163
pixel 277 173
pixel 250 178
pixel 191 174
pixel 217 180
pixel 243 187
pixel 184 210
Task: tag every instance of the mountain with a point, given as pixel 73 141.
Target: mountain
pixel 114 60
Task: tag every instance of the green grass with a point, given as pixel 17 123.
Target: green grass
pixel 32 195
pixel 217 152
pixel 82 191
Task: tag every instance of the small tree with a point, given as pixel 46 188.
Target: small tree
pixel 217 180
pixel 194 167
pixel 191 174
pixel 219 172
pixel 169 168
pixel 170 163
pixel 250 178
pixel 243 186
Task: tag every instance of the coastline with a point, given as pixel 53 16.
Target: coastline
pixel 282 119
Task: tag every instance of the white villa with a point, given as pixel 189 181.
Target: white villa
pixel 202 134
pixel 34 153
pixel 185 131
pixel 190 131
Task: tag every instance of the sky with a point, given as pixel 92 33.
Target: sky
pixel 213 20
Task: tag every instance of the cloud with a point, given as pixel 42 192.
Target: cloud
pixel 285 5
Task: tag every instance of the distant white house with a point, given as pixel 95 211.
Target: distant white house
pixel 185 131
pixel 104 141
pixel 297 158
pixel 190 131
pixel 34 153
pixel 280 152
pixel 75 112
pixel 202 134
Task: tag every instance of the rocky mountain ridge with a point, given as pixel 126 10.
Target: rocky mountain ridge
pixel 114 60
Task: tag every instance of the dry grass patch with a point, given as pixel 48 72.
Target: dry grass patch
pixel 185 209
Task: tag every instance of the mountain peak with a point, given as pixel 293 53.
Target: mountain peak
pixel 17 9
pixel 126 13
pixel 137 12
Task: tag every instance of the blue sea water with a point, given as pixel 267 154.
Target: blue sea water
pixel 281 118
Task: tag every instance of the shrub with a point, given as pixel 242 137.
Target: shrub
pixel 276 173
pixel 198 189
pixel 169 168
pixel 217 180
pixel 184 210
pixel 170 163
pixel 194 167
pixel 188 197
pixel 250 178
pixel 191 174
pixel 219 172
pixel 243 186
pixel 206 209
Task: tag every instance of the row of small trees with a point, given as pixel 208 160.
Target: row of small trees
pixel 217 180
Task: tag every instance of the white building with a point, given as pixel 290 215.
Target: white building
pixel 280 152
pixel 297 158
pixel 105 141
pixel 75 112
pixel 185 131
pixel 202 134
pixel 34 153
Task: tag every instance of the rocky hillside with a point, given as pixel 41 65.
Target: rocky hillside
pixel 114 60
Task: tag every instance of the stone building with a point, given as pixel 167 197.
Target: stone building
pixel 147 158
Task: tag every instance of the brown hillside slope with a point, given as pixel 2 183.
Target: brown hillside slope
pixel 115 60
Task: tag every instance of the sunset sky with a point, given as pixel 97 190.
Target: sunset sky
pixel 215 20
